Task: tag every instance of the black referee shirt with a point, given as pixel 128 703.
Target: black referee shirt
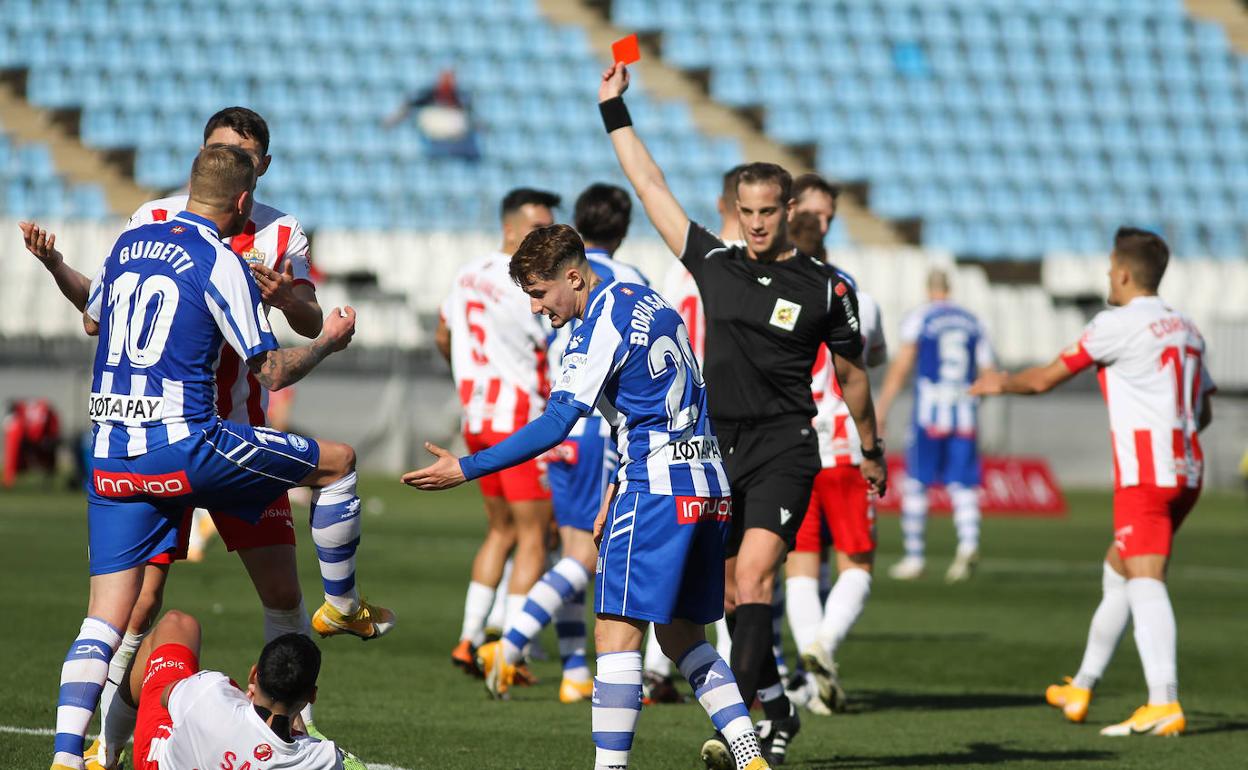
pixel 764 326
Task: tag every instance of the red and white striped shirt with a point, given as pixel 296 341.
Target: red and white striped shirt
pixel 839 443
pixel 681 292
pixel 1150 363
pixel 270 238
pixel 498 348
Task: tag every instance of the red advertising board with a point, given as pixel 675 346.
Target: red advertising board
pixel 1012 486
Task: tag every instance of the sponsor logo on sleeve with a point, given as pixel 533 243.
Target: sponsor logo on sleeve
pixel 784 314
pixel 692 510
pixel 573 364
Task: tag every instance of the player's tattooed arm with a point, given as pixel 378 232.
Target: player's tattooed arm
pixel 42 244
pixel 275 369
pixel 856 391
pixel 297 301
pixel 643 173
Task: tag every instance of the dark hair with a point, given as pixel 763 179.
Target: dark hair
pixel 805 235
pixel 288 668
pixel 729 191
pixel 807 182
pixel 767 173
pixel 602 213
pixel 1145 255
pixel 244 122
pixel 523 196
pixel 220 172
pixel 544 252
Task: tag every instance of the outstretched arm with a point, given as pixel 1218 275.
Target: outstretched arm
pixel 643 173
pixel 275 369
pixel 41 243
pixel 532 440
pixel 1029 382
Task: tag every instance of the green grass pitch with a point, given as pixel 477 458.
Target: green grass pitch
pixel 938 676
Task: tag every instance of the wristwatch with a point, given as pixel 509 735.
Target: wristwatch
pixel 874 454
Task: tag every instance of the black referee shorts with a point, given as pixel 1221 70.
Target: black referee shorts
pixel 771 467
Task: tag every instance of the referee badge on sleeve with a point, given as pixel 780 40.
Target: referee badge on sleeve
pixel 785 314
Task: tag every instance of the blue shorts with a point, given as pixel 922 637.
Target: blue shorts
pixel 662 557
pixel 945 460
pixel 579 471
pixel 135 505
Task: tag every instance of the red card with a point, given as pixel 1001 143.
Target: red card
pixel 626 50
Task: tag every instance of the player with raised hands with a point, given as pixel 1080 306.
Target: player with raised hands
pixel 661 555
pixel 1149 359
pixel 769 310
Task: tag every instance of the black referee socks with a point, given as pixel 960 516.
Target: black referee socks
pixel 753 662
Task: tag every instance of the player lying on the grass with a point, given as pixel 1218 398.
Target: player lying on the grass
pixel 271 240
pixel 1150 362
pixel 662 537
pixel 579 470
pixel 840 503
pixel 166 298
pixel 192 718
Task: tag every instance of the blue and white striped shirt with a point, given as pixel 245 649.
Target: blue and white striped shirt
pixel 165 298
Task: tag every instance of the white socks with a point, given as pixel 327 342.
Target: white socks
pixel 615 708
pixel 498 610
pixel 117 717
pixel 913 517
pixel 1155 636
pixel 723 639
pixel 965 516
pixel 804 610
pixel 477 606
pixel 845 602
pixel 1108 623
pixel 278 622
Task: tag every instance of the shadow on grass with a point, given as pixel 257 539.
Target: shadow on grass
pixel 1210 723
pixel 895 700
pixel 971 754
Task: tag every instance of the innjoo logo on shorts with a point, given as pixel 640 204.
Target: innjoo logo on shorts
pixel 691 510
pixel 109 484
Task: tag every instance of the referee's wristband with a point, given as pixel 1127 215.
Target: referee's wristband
pixel 614 114
pixel 874 454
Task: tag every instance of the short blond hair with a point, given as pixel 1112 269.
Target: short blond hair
pixel 219 174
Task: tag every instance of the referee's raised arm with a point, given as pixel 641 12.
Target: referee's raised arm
pixel 643 173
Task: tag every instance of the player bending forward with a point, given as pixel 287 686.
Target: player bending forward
pixel 1149 359
pixel 192 718
pixel 662 535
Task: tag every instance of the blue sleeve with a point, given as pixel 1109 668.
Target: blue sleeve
pixel 530 441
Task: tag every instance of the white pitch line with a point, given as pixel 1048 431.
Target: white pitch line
pixel 46 732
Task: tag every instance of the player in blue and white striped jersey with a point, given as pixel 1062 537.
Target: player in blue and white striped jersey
pixel 167 297
pixel 579 471
pixel 947 347
pixel 663 530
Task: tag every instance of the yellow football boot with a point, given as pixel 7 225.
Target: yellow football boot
pixel 368 622
pixel 1166 720
pixel 572 691
pixel 1072 700
pixel 499 674
pixel 757 763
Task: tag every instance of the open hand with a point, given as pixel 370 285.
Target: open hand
pixel 339 328
pixel 444 473
pixel 614 82
pixel 989 384
pixel 276 289
pixel 41 243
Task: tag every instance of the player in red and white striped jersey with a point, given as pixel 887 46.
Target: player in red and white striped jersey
pixel 497 351
pixel 1150 363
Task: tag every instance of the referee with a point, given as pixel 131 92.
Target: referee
pixel 768 310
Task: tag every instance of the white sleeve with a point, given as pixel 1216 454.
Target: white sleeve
pixel 189 694
pixel 297 253
pixel 234 302
pixel 595 352
pixel 911 326
pixel 95 296
pixel 1103 337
